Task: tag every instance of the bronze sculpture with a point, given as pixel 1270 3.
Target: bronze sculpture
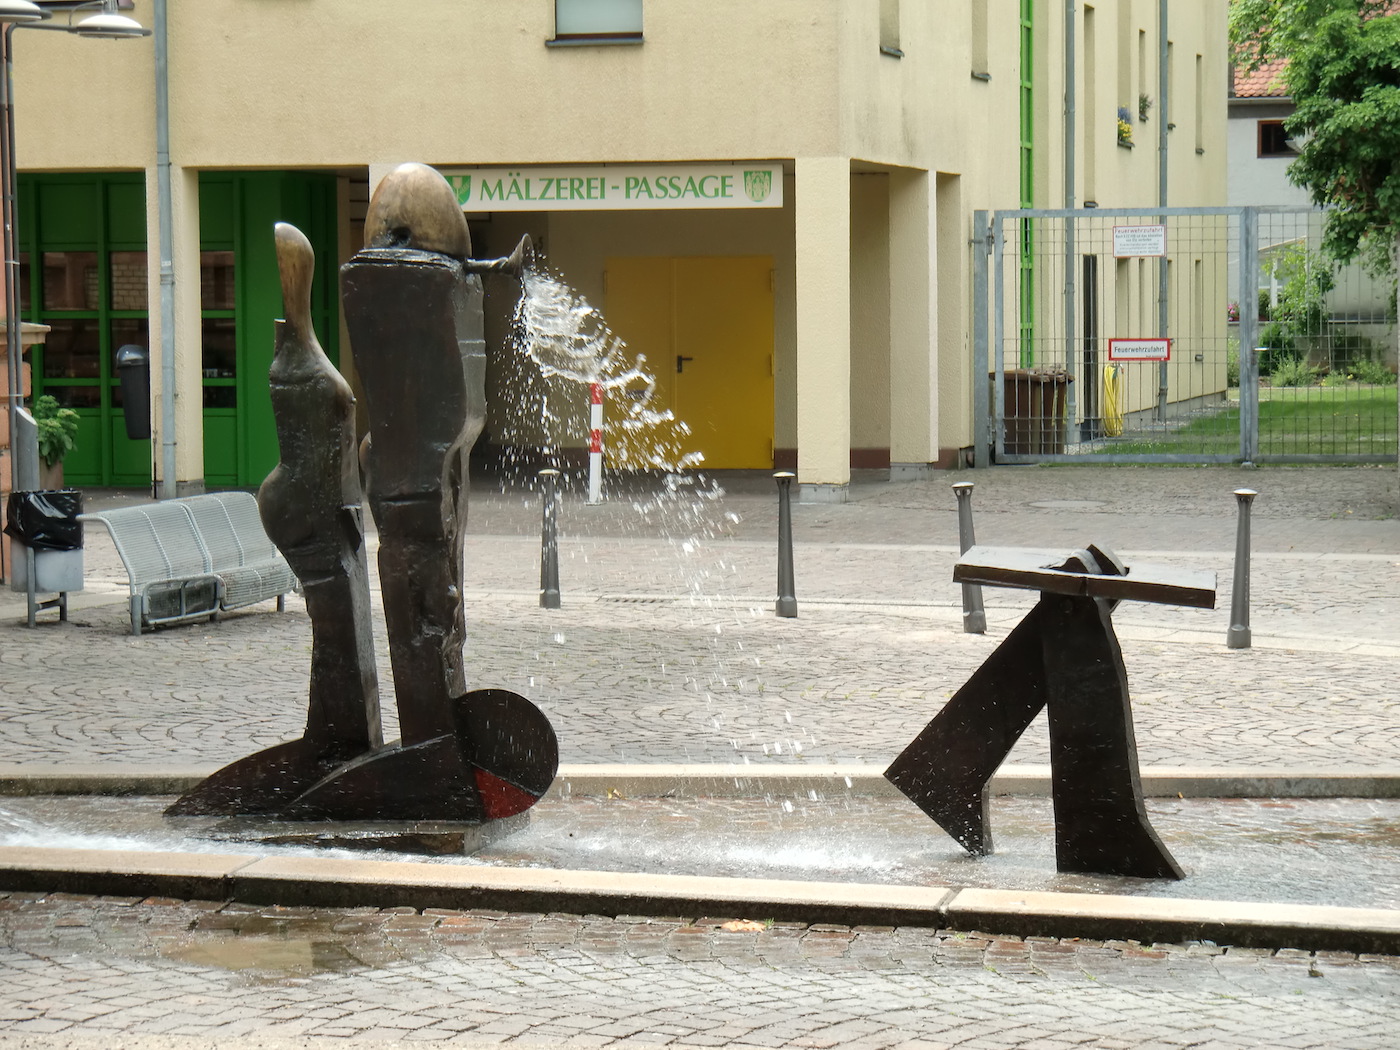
pixel 413 303
pixel 1063 657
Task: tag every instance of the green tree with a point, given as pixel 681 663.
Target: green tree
pixel 1343 74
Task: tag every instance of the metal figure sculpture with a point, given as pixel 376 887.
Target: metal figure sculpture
pixel 413 303
pixel 311 508
pixel 1064 657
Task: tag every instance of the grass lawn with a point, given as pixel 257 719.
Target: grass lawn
pixel 1297 420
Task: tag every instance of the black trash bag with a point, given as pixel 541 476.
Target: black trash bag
pixel 47 520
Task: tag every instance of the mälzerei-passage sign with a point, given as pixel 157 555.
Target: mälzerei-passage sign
pixel 618 187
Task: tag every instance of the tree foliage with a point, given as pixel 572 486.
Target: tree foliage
pixel 1343 74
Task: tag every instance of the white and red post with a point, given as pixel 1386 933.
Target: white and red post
pixel 595 445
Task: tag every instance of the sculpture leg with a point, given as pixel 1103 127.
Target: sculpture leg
pixel 1101 825
pixel 945 770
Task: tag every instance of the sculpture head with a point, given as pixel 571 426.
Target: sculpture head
pixel 414 207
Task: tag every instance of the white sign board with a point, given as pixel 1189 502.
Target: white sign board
pixel 1129 241
pixel 618 187
pixel 1139 349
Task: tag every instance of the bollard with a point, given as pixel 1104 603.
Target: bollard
pixel 549 542
pixel 1238 637
pixel 974 617
pixel 787 598
pixel 595 444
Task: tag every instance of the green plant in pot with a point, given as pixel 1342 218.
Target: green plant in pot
pixel 58 431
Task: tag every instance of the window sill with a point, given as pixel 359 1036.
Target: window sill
pixel 1124 145
pixel 984 77
pixel 600 40
pixel 893 52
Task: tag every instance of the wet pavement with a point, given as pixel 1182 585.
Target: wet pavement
pixel 122 973
pixel 1339 852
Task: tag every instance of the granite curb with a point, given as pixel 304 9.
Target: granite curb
pixel 340 883
pixel 348 883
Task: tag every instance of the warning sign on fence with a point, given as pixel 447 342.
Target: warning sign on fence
pixel 1131 241
pixel 1139 349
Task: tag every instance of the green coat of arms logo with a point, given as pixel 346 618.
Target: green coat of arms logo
pixel 758 184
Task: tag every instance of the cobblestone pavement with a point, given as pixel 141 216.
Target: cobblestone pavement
pixel 702 682
pixel 125 973
pixel 667 650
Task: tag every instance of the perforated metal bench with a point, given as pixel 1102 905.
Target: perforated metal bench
pixel 188 559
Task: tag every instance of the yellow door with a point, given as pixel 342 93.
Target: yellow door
pixel 705 325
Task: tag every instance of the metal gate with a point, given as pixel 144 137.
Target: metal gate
pixel 1176 335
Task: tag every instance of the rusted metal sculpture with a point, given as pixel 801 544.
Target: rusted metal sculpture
pixel 413 303
pixel 1063 657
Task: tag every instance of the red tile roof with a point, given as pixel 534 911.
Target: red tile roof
pixel 1264 82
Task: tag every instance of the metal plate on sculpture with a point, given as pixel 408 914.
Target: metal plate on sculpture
pixel 511 747
pixel 1036 570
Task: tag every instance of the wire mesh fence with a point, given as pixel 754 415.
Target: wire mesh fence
pixel 1184 334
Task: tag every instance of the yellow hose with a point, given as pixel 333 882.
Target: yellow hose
pixel 1112 400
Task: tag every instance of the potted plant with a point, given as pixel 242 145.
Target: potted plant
pixel 1125 127
pixel 58 430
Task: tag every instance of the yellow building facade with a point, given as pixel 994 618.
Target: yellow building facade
pixel 826 325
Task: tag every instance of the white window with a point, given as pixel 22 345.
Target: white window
pixel 605 19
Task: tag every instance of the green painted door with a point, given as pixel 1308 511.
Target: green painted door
pixel 83 273
pixel 241 298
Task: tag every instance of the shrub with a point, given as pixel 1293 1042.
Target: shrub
pixel 1372 372
pixel 57 427
pixel 1292 371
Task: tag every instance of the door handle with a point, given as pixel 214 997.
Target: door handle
pixel 680 363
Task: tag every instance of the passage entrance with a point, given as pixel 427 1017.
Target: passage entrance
pixel 705 325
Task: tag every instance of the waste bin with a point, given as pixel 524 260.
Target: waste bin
pixel 46 524
pixel 1035 410
pixel 134 368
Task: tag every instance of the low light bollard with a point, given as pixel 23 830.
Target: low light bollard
pixel 974 616
pixel 787 598
pixel 549 541
pixel 1238 636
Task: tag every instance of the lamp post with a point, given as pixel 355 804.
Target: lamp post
pixel 101 21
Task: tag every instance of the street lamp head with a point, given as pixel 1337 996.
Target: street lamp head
pixel 21 11
pixel 109 26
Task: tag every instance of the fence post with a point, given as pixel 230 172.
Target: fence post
pixel 1249 336
pixel 595 444
pixel 787 597
pixel 549 542
pixel 981 351
pixel 974 616
pixel 1238 637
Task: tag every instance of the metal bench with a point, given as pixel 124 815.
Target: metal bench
pixel 187 559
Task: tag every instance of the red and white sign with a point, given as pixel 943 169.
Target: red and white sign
pixel 1139 349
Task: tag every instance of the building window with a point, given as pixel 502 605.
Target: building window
pixel 889 28
pixel 1273 140
pixel 593 20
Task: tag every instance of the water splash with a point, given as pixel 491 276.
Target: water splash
pixel 567 338
pixel 561 345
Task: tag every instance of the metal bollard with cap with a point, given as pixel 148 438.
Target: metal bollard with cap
pixel 787 598
pixel 974 616
pixel 549 541
pixel 1238 636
